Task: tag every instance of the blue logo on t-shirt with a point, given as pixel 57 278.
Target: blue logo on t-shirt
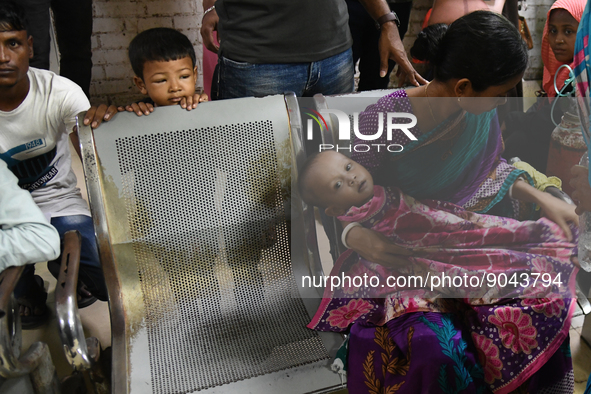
pixel 34 172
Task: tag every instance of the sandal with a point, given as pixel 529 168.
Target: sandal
pixel 35 298
pixel 85 297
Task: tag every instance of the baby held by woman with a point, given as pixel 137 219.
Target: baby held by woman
pixel 438 236
pixel 526 268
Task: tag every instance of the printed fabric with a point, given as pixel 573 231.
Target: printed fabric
pixel 494 333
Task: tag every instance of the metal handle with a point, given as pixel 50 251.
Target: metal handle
pixel 36 362
pixel 66 305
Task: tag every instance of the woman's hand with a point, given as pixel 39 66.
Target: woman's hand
pixel 554 209
pixel 559 212
pixel 375 247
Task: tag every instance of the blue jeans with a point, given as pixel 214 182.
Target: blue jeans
pixel 90 274
pixel 333 75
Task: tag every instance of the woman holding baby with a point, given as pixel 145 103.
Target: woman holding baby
pixel 513 344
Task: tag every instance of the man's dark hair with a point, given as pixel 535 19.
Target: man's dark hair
pixel 12 16
pixel 158 44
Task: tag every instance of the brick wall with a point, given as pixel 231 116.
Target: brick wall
pixel 116 22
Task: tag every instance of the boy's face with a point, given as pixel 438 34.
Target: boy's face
pixel 562 34
pixel 340 182
pixel 15 51
pixel 167 82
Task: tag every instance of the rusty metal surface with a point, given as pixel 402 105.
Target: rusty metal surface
pixel 153 295
pixel 70 326
pixel 94 185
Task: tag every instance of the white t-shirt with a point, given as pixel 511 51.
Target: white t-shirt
pixel 34 142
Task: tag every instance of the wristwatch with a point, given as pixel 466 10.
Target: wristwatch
pixel 390 16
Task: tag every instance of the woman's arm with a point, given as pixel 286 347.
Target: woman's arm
pixel 554 209
pixel 390 45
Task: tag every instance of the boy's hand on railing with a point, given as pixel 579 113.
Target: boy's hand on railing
pixel 140 108
pixel 96 115
pixel 191 102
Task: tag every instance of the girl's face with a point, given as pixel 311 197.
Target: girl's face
pixel 562 32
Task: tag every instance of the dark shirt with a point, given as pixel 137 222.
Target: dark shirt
pixel 282 31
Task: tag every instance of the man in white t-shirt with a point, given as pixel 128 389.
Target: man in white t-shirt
pixel 37 115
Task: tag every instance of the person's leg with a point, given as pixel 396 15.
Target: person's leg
pixel 38 18
pixel 23 283
pixel 356 22
pixel 32 297
pixel 333 75
pixel 242 79
pixel 73 25
pixel 91 273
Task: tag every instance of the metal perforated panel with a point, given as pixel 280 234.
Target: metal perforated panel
pixel 212 247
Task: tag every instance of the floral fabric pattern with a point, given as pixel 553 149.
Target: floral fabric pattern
pixel 515 329
pixel 511 327
pixel 488 357
pixel 343 316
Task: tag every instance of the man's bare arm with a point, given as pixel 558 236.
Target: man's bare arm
pixel 390 45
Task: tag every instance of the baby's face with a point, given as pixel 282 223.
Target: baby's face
pixel 340 182
pixel 562 33
pixel 167 82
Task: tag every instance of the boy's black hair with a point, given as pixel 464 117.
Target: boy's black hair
pixel 158 44
pixel 12 16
